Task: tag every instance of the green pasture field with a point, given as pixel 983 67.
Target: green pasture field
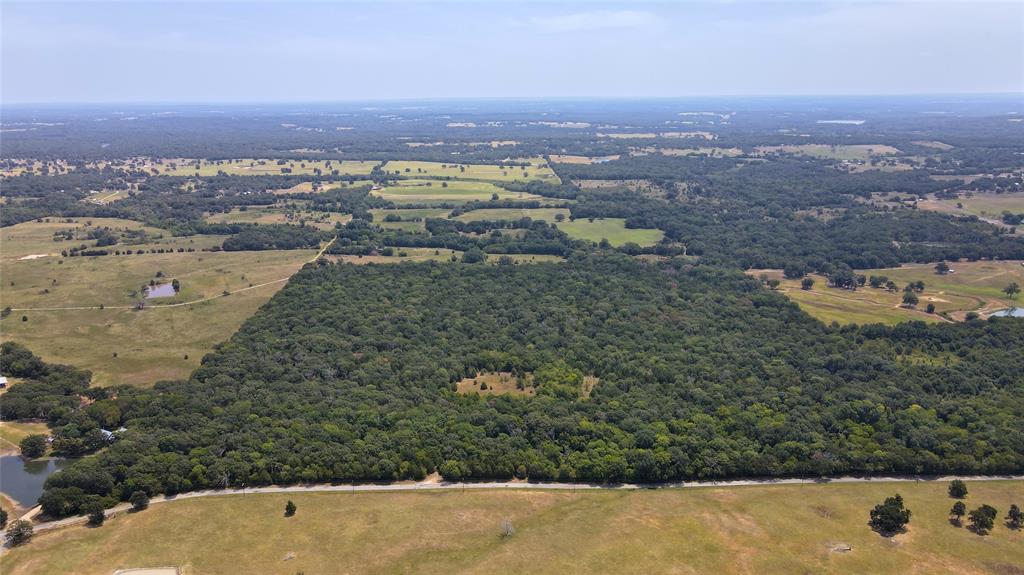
pixel 407 213
pixel 280 215
pixel 612 229
pixel 538 170
pixel 861 152
pixel 973 286
pixel 258 167
pixel 983 205
pixel 151 344
pixel 726 530
pixel 457 191
pixel 502 214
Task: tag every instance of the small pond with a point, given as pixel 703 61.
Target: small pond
pixel 22 480
pixel 1010 312
pixel 161 290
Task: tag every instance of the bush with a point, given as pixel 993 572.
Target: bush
pixel 19 532
pixel 957 489
pixel 289 508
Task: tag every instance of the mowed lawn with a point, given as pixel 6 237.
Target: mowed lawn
pixel 537 170
pixel 612 229
pixel 780 529
pixel 502 214
pixel 152 344
pixel 973 286
pixel 456 192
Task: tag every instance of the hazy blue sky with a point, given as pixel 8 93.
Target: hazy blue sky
pixel 292 51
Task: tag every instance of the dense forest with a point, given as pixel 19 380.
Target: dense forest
pixel 350 374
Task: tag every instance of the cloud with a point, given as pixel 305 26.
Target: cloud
pixel 595 20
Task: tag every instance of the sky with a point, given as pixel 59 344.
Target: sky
pixel 285 51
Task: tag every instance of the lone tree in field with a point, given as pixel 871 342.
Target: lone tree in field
pixel 982 519
pixel 507 530
pixel 19 532
pixel 289 508
pixel 957 489
pixel 806 284
pixel 1012 290
pixel 139 500
pixel 890 516
pixel 957 512
pixel 942 268
pixel 176 285
pixel 909 299
pixel 1014 518
pixel 33 446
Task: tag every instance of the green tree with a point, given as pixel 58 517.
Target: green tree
pixel 1012 290
pixel 909 299
pixel 96 514
pixel 19 532
pixel 890 516
pixel 1014 518
pixel 773 284
pixel 982 519
pixel 289 508
pixel 942 268
pixel 139 500
pixel 958 511
pixel 176 285
pixel 33 446
pixel 473 255
pixel 806 283
pixel 957 489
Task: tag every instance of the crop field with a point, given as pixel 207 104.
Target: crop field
pixel 500 214
pixel 538 170
pixel 152 344
pixel 973 286
pixel 612 229
pixel 456 191
pixel 280 215
pixel 861 152
pixel 734 530
pixel 259 167
pixel 983 205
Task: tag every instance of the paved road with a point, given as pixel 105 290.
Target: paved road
pixel 443 485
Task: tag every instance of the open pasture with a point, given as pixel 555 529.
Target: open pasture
pixel 862 152
pixel 984 205
pixel 257 167
pixel 503 214
pixel 612 229
pixel 281 215
pixel 155 343
pixel 728 530
pixel 455 191
pixel 538 169
pixel 973 286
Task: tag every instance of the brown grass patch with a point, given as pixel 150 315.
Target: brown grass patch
pixel 497 383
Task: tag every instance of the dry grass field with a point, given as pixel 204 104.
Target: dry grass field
pixel 780 529
pixel 538 169
pixel 152 344
pixel 436 192
pixel 861 152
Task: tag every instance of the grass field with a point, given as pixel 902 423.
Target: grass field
pixel 457 191
pixel 500 214
pixel 974 286
pixel 281 215
pixel 983 205
pixel 861 152
pixel 258 167
pixel 12 432
pixel 407 214
pixel 538 170
pixel 150 344
pixel 612 229
pixel 781 529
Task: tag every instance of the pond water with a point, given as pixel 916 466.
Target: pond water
pixel 23 480
pixel 161 290
pixel 1010 312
